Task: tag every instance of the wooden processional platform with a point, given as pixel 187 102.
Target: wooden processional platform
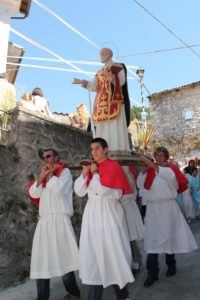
pixel 123 160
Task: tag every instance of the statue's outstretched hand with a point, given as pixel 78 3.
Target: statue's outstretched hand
pixel 76 81
pixel 82 82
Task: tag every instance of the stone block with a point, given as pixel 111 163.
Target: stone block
pixel 28 137
pixel 44 141
pixel 28 152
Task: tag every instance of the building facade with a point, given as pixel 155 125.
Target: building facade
pixel 176 115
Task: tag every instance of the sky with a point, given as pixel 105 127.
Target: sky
pixel 124 27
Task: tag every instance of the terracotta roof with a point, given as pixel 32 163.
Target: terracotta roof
pixel 176 89
pixel 60 113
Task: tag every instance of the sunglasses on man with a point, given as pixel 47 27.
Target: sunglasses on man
pixel 47 156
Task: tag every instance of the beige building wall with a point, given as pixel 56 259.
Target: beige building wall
pixel 176 112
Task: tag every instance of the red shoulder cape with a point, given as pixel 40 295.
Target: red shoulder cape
pixel 182 180
pixel 112 176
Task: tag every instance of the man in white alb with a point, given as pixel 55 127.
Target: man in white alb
pixel 105 254
pixel 54 250
pixel 166 230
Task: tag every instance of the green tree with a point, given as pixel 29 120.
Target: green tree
pixel 136 112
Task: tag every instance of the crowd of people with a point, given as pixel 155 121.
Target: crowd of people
pixel 110 222
pixel 189 200
pixel 35 102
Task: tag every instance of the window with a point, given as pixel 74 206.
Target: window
pixel 188 114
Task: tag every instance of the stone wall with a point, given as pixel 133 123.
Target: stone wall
pixel 167 112
pixel 20 160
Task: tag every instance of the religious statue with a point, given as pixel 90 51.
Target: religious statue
pixel 111 112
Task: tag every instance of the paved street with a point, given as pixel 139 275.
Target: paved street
pixel 184 286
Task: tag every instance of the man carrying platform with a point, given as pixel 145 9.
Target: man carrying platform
pixel 166 230
pixel 105 254
pixel 54 250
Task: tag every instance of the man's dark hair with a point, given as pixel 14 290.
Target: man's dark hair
pixel 55 153
pixel 191 161
pixel 100 141
pixel 163 150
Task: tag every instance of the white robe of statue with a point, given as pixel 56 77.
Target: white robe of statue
pixel 115 131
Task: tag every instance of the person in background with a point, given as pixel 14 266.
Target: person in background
pixel 184 163
pixel 81 118
pixel 40 102
pixel 188 205
pixel 190 167
pixel 196 161
pixel 27 103
pixel 195 191
pixel 198 167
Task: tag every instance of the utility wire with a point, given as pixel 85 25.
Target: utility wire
pixel 94 63
pixel 53 53
pixel 157 51
pixel 73 29
pixel 167 28
pixel 49 68
pixel 81 62
pixel 65 23
pixel 48 51
pixel 52 68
